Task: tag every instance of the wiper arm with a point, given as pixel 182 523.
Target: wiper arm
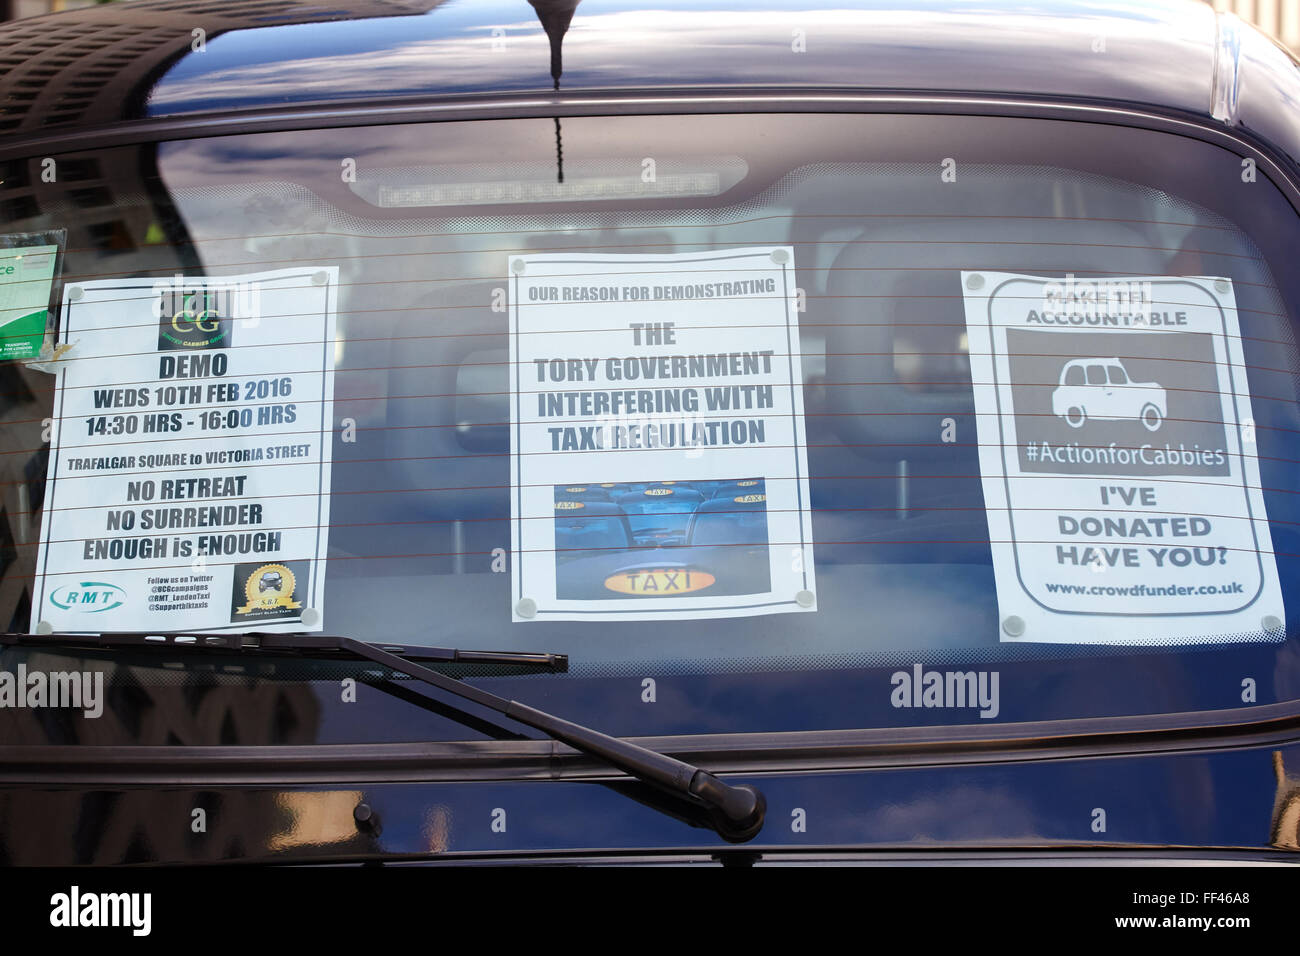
pixel 281 645
pixel 735 812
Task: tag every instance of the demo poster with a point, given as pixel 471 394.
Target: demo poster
pixel 189 477
pixel 1118 460
pixel 658 462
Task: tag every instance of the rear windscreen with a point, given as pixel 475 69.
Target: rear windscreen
pixel 852 420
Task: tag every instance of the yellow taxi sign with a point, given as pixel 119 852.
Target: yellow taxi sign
pixel 656 492
pixel 749 499
pixel 747 484
pixel 574 491
pixel 569 505
pixel 659 582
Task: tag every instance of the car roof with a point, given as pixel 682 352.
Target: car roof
pixel 107 63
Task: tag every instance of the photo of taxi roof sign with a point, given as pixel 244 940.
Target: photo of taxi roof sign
pixel 646 540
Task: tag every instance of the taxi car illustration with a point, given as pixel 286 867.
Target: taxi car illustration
pixel 659 513
pixel 411 149
pixel 1102 389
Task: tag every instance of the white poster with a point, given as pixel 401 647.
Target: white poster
pixel 658 460
pixel 189 476
pixel 1118 458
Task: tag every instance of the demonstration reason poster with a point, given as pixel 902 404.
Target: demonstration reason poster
pixel 658 462
pixel 1118 460
pixel 189 477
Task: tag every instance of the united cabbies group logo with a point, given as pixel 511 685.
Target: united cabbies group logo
pixel 193 319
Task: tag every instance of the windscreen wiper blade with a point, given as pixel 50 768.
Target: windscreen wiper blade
pixel 281 645
pixel 735 812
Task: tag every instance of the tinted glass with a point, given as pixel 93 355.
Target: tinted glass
pixel 883 216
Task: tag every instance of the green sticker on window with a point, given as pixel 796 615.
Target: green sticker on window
pixel 26 276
